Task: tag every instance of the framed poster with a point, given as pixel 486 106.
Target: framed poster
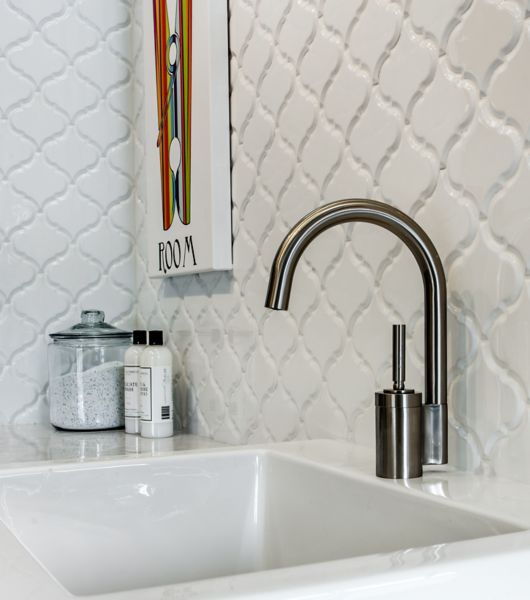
pixel 187 136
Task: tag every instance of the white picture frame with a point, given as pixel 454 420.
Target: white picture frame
pixel 187 136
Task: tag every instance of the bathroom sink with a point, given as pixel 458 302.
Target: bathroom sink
pixel 122 525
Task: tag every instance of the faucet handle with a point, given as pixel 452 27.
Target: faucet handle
pixel 398 420
pixel 398 356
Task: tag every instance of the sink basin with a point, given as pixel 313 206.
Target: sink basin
pixel 123 525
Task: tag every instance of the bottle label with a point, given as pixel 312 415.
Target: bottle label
pixel 156 394
pixel 132 397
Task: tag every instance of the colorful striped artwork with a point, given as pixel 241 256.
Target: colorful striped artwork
pixel 173 54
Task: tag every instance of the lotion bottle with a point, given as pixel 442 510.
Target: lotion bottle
pixel 131 374
pixel 156 387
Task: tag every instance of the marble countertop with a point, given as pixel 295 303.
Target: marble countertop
pixel 33 444
pixel 459 569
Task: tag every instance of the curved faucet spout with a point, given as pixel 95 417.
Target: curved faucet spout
pixel 419 243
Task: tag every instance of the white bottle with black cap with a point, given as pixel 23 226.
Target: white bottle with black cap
pixel 156 388
pixel 131 368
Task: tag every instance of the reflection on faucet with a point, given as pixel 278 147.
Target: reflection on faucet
pixel 413 236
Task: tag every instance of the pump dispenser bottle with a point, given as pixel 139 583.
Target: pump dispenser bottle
pixel 156 388
pixel 131 375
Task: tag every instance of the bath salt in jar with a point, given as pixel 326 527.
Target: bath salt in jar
pixel 85 362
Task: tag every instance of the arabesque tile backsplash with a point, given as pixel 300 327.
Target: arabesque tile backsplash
pixel 66 180
pixel 398 101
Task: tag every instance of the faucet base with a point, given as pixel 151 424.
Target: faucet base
pixel 398 428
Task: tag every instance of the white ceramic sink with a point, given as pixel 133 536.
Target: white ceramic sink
pixel 121 525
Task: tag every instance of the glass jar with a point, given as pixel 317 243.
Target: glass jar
pixel 86 374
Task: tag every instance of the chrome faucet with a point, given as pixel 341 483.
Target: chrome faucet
pixel 397 450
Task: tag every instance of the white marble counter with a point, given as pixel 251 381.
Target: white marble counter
pixel 489 567
pixel 35 444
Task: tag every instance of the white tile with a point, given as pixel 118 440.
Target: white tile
pixel 443 109
pixel 375 133
pixel 484 280
pixel 38 60
pixel 486 402
pixel 409 68
pixel 38 120
pixel 14 28
pixel 374 33
pixel 321 61
pixel 39 12
pixel 437 18
pixel 473 166
pixel 15 149
pixel 71 154
pixel 494 21
pixel 509 91
pixel 409 175
pixel 70 34
pixel 15 88
pixel 510 339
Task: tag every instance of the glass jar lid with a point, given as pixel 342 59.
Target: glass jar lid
pixel 92 326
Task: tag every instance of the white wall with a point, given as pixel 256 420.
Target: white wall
pixel 424 104
pixel 66 160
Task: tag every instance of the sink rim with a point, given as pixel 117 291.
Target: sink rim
pixel 284 451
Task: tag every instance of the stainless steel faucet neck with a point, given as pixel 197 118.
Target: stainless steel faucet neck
pixel 419 243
